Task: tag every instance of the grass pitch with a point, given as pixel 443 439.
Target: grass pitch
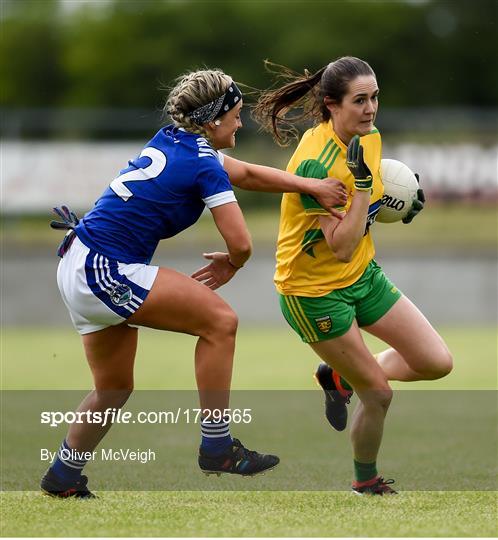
pixel 265 358
pixel 270 358
pixel 253 514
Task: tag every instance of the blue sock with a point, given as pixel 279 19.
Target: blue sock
pixel 216 437
pixel 66 466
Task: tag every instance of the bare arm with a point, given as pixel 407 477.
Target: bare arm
pixel 232 226
pixel 328 192
pixel 344 236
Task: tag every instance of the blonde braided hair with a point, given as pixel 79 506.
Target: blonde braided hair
pixel 192 90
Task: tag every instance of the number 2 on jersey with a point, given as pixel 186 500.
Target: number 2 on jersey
pixel 153 170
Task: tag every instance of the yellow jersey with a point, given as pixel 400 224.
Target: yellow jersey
pixel 306 266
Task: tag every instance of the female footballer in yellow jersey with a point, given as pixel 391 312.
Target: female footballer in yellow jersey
pixel 328 282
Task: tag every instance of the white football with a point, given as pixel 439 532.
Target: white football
pixel 400 190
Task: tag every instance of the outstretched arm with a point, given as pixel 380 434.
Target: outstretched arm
pixel 223 266
pixel 329 192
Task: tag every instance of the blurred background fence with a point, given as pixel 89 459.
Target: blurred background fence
pixel 39 171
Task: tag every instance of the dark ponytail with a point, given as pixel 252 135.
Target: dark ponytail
pixel 271 110
pixel 303 93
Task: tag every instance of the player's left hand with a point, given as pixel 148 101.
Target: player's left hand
pixel 417 205
pixel 363 178
pixel 218 272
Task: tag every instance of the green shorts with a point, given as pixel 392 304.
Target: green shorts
pixel 330 316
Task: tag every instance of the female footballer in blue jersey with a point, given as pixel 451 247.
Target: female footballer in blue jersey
pixel 109 286
pixel 329 285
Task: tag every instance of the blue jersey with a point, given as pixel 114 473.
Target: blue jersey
pixel 161 193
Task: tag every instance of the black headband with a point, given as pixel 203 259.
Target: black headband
pixel 218 107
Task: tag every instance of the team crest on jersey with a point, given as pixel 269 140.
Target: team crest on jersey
pixel 121 294
pixel 324 324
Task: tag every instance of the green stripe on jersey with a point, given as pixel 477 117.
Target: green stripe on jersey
pixel 334 157
pixel 331 152
pixel 325 149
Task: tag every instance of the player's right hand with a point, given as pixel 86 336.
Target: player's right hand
pixel 69 218
pixel 356 164
pixel 330 193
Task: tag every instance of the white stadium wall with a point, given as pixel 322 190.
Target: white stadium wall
pixel 38 175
